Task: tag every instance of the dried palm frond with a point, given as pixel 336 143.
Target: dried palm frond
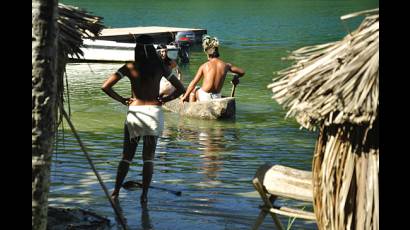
pixel 335 82
pixel 74 25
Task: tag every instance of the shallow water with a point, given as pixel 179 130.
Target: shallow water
pixel 211 162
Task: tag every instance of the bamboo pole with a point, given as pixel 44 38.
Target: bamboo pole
pixel 115 208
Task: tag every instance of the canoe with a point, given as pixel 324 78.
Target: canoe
pixel 222 108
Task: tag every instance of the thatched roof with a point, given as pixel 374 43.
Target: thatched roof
pixel 334 83
pixel 74 25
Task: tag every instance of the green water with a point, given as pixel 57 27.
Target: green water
pixel 211 162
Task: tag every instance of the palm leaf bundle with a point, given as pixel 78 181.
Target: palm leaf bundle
pixel 74 25
pixel 333 83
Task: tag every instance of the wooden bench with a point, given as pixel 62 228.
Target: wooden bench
pixel 274 181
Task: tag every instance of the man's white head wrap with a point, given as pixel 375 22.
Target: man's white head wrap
pixel 209 44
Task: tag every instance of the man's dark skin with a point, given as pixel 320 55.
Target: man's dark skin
pixel 146 93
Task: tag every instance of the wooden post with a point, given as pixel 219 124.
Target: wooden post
pixel 267 202
pixel 44 110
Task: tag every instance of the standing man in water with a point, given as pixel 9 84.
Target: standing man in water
pixel 144 116
pixel 213 73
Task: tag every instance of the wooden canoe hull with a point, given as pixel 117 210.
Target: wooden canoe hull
pixel 215 109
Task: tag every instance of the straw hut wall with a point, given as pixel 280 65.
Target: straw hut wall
pixel 57 30
pixel 335 87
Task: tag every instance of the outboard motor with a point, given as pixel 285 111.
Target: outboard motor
pixel 184 40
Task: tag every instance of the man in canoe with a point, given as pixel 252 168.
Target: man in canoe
pixel 144 116
pixel 213 73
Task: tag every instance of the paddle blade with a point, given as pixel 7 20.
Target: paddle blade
pixel 131 185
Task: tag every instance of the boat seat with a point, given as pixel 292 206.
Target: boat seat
pixel 277 181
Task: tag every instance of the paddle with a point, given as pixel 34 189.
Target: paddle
pixel 129 185
pixel 234 81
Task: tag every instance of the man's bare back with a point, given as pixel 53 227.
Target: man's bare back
pixel 142 93
pixel 213 73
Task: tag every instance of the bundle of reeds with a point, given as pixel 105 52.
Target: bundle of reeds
pixel 345 177
pixel 74 25
pixel 335 87
pixel 333 83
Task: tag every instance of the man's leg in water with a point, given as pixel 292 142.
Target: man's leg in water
pixel 128 153
pixel 148 153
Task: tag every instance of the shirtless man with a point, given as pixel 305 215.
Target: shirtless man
pixel 213 73
pixel 144 116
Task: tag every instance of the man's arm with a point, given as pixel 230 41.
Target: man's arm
pixel 235 69
pixel 193 83
pixel 111 81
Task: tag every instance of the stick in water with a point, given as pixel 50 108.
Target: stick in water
pixel 132 184
pixel 235 81
pixel 116 211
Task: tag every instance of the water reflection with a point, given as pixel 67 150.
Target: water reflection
pixel 145 218
pixel 212 144
pixel 123 220
pixel 146 223
pixel 211 141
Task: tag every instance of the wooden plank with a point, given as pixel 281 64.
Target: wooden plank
pixel 286 182
pixel 294 213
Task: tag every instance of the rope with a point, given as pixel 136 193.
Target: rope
pixel 116 211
